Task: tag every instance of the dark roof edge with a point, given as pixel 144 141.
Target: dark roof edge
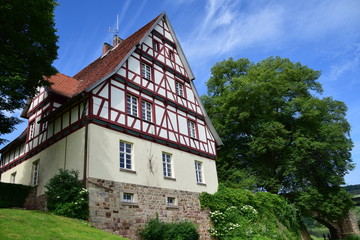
pixel 21 138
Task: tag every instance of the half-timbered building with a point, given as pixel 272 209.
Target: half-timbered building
pixel 133 125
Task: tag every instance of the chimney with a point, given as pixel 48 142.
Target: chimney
pixel 117 40
pixel 106 48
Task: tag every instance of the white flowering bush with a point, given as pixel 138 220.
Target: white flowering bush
pixel 240 214
pixel 233 222
pixel 66 195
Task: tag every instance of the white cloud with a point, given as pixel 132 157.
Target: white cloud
pixel 315 19
pixel 349 61
pixel 227 27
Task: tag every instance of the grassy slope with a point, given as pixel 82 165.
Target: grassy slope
pixel 37 225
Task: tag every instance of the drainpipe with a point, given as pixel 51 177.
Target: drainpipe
pixel 86 153
pixel 85 142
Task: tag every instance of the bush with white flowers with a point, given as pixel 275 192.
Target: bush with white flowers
pixel 240 214
pixel 66 195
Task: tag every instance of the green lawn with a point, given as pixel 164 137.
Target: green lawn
pixel 37 225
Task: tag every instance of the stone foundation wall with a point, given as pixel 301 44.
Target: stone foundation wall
pixel 34 202
pixel 108 212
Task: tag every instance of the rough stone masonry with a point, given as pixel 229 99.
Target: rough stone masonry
pixel 110 213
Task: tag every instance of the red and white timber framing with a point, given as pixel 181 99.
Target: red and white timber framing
pixel 170 112
pixel 107 104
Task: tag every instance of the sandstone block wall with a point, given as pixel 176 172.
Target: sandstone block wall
pixel 108 211
pixel 34 202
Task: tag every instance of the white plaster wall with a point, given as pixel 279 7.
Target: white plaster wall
pixel 104 163
pixel 51 159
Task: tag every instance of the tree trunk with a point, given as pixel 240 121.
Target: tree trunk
pixel 305 235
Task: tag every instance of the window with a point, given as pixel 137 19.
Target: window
pixel 156 46
pixel 146 111
pixel 198 172
pixel 171 55
pixel 132 105
pixel 44 125
pixel 35 173
pixel 125 155
pixel 179 89
pixel 128 197
pixel 12 177
pixel 167 164
pixel 192 129
pixel 146 71
pixel 31 130
pixel 171 201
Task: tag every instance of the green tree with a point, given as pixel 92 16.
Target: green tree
pixel 27 50
pixel 274 124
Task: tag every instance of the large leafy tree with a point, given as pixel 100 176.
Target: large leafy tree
pixel 27 50
pixel 275 125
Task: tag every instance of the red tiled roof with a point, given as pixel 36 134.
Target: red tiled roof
pixel 63 84
pixel 103 66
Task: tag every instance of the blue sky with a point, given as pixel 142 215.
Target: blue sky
pixel 324 35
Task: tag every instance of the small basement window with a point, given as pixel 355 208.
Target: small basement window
pixel 128 197
pixel 171 201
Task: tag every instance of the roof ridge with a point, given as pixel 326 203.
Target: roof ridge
pixel 105 65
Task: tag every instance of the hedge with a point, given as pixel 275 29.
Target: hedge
pixel 13 195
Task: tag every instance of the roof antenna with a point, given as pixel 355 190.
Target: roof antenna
pixel 116 39
pixel 116 31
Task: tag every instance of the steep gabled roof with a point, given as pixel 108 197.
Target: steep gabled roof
pixel 106 65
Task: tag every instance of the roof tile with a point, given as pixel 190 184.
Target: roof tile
pixel 105 65
pixel 63 84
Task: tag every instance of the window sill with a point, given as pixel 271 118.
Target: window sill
pixel 147 121
pixel 172 207
pixel 136 117
pixel 201 184
pixel 170 178
pixel 127 170
pixel 129 203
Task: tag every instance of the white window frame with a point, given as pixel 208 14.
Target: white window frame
pixel 45 124
pixel 179 88
pixel 13 177
pixel 192 129
pixel 35 171
pixel 126 155
pixel 127 197
pixel 146 71
pixel 132 105
pixel 171 55
pixel 171 201
pixel 146 110
pixel 156 46
pixel 31 130
pixel 199 172
pixel 167 165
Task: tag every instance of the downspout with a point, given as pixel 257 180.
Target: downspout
pixel 85 143
pixel 65 152
pixel 85 153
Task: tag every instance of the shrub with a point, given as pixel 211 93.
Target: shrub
pixel 242 214
pixel 158 230
pixel 13 195
pixel 66 195
pixel 352 237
